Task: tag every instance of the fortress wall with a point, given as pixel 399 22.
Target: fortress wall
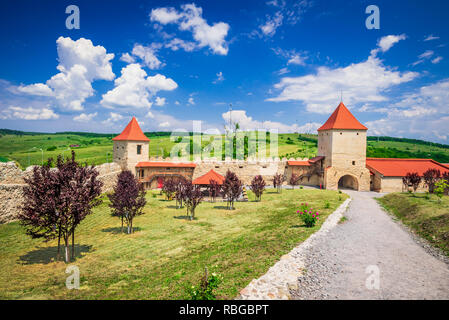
pixel 12 184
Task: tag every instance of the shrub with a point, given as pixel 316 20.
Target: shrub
pixel 307 215
pixel 327 205
pixel 52 148
pixel 258 187
pixel 205 290
pixel 214 189
pixel 192 198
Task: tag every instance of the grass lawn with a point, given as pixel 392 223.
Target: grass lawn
pixel 427 217
pixel 166 252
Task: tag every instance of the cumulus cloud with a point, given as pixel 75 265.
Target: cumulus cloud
pixel 134 88
pixel 292 56
pixel 148 55
pixel 30 113
pixel 424 113
pixel 191 101
pixel 126 57
pixel 160 102
pixel 80 63
pixel 360 82
pixel 248 123
pixel 385 43
pixel 113 117
pixel 85 117
pixel 190 18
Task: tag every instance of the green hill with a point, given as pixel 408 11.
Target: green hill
pixel 96 148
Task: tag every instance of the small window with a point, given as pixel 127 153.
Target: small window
pixel 341 133
pixel 216 167
pixel 357 133
pixel 241 167
pixel 139 149
pixel 353 163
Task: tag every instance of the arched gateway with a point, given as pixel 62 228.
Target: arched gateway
pixel 348 182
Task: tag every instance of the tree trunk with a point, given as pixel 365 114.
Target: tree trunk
pixel 66 242
pixel 73 244
pixel 58 256
pixel 122 225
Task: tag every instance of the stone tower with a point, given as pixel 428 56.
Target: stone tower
pixel 342 142
pixel 131 146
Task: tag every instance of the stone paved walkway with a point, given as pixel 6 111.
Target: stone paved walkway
pixel 338 262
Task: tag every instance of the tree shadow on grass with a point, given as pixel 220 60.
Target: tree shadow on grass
pixel 184 218
pixel 175 207
pixel 49 254
pixel 118 230
pixel 223 207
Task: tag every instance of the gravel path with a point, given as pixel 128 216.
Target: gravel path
pixel 336 264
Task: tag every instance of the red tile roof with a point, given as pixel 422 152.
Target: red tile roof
pixel 400 167
pixel 132 132
pixel 206 178
pixel 298 163
pixel 342 118
pixel 147 164
pixel 316 159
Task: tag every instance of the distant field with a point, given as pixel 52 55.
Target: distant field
pixel 24 148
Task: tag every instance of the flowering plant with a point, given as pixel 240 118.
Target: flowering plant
pixel 308 215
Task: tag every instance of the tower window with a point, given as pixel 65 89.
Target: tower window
pixel 353 163
pixel 139 149
pixel 341 133
pixel 357 133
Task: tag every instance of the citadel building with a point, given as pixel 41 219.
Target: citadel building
pixel 340 162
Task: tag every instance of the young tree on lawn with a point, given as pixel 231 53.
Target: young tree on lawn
pixel 277 182
pixel 294 180
pixel 440 187
pixel 445 176
pixel 128 199
pixel 232 188
pixel 179 192
pixel 193 197
pixel 59 198
pixel 411 179
pixel 169 188
pixel 430 177
pixel 258 187
pixel 214 189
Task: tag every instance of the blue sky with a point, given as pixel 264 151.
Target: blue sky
pixel 281 64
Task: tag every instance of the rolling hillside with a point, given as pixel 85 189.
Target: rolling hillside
pixel 25 147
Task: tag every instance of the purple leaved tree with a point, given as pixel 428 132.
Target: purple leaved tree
pixel 128 199
pixel 57 200
pixel 232 188
pixel 258 187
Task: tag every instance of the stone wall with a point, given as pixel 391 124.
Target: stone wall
pixel 12 184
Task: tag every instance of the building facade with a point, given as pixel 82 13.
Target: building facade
pixel 340 162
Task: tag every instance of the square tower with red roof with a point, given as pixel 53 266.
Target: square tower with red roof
pixel 131 146
pixel 342 142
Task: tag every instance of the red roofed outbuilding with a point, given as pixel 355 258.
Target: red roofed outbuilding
pixel 206 178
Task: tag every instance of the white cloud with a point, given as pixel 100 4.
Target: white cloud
pixel 160 102
pixel 126 57
pixel 113 117
pixel 248 123
pixel 134 88
pixel 165 124
pixel 292 56
pixel 85 117
pixel 30 113
pixel 220 77
pixel 272 23
pixel 191 101
pixel 37 89
pixel 177 102
pixel 80 63
pixel 424 114
pixel 176 44
pixel 385 43
pixel 437 60
pixel 430 38
pixel 426 55
pixel 190 19
pixel 282 71
pixel 360 82
pixel 148 55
